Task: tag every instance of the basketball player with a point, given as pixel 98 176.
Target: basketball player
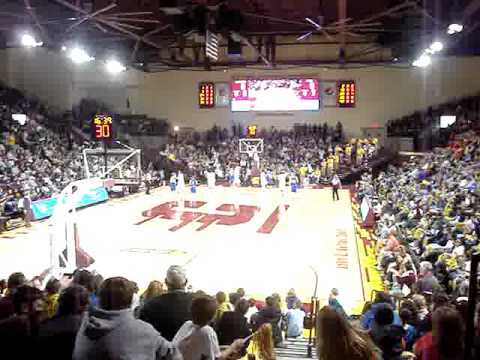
pixel 263 180
pixel 293 182
pixel 180 181
pixel 211 179
pixel 282 180
pixel 236 176
pixel 336 184
pixel 173 182
pixel 193 185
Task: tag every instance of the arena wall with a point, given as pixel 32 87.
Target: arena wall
pixel 384 93
pixel 60 83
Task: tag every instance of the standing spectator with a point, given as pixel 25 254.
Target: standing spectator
pixel 57 335
pixel 445 341
pixel 382 300
pixel 241 293
pixel 222 305
pixel 252 309
pixel 111 332
pixel 154 289
pixel 334 303
pixel 410 332
pixel 295 317
pixel 233 324
pixel 167 312
pixel 86 279
pixel 291 299
pixel 388 336
pixel 196 340
pixel 6 303
pixel 338 339
pixel 19 331
pixel 428 283
pixel 52 290
pixel 270 314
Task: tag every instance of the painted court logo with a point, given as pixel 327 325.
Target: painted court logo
pixel 193 211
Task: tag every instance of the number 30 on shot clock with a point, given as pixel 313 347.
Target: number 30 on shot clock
pixel 102 127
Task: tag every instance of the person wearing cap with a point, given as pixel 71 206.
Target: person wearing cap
pixel 169 311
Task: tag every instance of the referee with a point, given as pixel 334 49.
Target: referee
pixel 336 184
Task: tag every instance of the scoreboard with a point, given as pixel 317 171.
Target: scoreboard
pixel 346 94
pixel 306 94
pixel 102 127
pixel 206 95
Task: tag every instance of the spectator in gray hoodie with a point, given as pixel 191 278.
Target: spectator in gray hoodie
pixel 111 332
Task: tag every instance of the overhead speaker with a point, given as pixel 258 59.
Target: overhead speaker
pixel 234 48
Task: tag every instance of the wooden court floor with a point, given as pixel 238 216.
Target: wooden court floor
pixel 262 240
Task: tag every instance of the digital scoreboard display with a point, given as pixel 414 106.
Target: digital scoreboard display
pixel 290 94
pixel 206 95
pixel 346 94
pixel 102 127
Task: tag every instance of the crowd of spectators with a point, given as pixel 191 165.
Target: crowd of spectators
pixel 428 219
pixel 87 317
pixel 426 128
pixel 310 152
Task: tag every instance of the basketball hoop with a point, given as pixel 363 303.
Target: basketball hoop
pixel 251 146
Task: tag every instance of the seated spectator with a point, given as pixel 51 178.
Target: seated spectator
pixel 6 303
pixel 233 324
pixel 252 309
pixel 20 330
pixel 446 340
pixel 52 290
pixel 169 311
pixel 387 336
pixel 56 337
pixel 270 314
pixel 382 300
pixel 295 317
pixel 334 303
pixel 196 340
pixel 222 305
pixel 291 299
pixel 111 331
pixel 338 339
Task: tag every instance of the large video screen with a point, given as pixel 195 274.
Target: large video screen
pixel 275 95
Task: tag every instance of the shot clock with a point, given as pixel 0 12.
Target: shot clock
pixel 102 127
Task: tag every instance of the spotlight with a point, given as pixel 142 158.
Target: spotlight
pixel 79 56
pixel 29 41
pixel 454 28
pixel 176 128
pixel 64 48
pixel 423 61
pixel 114 66
pixel 436 46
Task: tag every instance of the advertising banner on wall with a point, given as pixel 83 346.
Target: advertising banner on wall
pixel 44 208
pixel 328 94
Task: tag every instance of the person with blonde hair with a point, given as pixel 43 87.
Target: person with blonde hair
pixel 154 289
pixel 338 339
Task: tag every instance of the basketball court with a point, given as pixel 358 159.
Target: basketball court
pixel 263 240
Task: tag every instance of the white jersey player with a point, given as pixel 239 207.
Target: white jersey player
pixel 263 180
pixel 211 179
pixel 180 181
pixel 282 180
pixel 236 176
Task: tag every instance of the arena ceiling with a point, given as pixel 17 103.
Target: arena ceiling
pixel 156 35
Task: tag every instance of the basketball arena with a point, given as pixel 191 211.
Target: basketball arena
pixel 239 179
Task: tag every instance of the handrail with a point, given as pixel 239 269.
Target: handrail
pixel 472 301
